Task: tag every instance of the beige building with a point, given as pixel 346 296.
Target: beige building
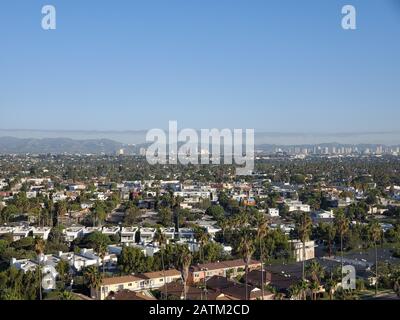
pixel 144 281
pixel 303 255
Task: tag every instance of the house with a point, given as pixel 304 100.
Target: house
pixel 42 233
pixel 147 234
pixel 186 234
pixel 88 230
pixel 175 291
pixel 273 212
pixel 129 295
pixel 279 277
pixel 140 282
pixel 73 233
pixel 169 233
pixel 153 280
pixel 323 214
pixel 230 290
pixel 115 284
pixel 59 196
pixel 238 292
pixel 295 205
pixel 21 232
pixel 110 231
pixel 6 230
pixel 128 235
pixel 299 253
pixel 87 257
pixel 224 268
pixel 48 263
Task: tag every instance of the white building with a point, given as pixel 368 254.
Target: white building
pixel 295 205
pixel 73 233
pixel 273 212
pixel 324 214
pixel 21 232
pixel 128 235
pixel 147 234
pixel 299 253
pixel 42 233
pixel 110 231
pixel 186 234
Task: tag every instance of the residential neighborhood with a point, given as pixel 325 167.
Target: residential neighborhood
pixel 279 234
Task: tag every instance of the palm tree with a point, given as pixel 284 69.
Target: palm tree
pixel 101 250
pixel 314 287
pixel 39 249
pixel 93 277
pixel 375 234
pixel 330 286
pixel 262 231
pixel 294 291
pixel 223 223
pixel 304 228
pixel 342 226
pixel 246 249
pixel 185 261
pixel 161 239
pixel 330 237
pixel 316 273
pixel 202 237
pixel 303 286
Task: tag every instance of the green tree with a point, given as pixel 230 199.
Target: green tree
pixel 132 260
pixel 342 226
pixel 375 235
pixel 304 228
pixel 93 278
pixel 246 249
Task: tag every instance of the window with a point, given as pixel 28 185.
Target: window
pixel 130 284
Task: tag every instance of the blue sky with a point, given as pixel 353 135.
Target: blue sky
pixel 276 66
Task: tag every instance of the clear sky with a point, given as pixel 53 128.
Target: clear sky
pixel 272 65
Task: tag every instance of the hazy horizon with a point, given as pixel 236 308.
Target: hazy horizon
pixel 261 137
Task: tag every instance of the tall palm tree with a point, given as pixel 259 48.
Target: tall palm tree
pixel 262 231
pixel 223 224
pixel 101 250
pixel 375 234
pixel 303 285
pixel 39 249
pixel 246 249
pixel 330 237
pixel 93 277
pixel 314 287
pixel 161 239
pixel 185 261
pixel 330 286
pixel 316 273
pixel 304 228
pixel 342 226
pixel 202 237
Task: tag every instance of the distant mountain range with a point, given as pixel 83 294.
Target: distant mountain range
pixel 261 137
pixel 11 145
